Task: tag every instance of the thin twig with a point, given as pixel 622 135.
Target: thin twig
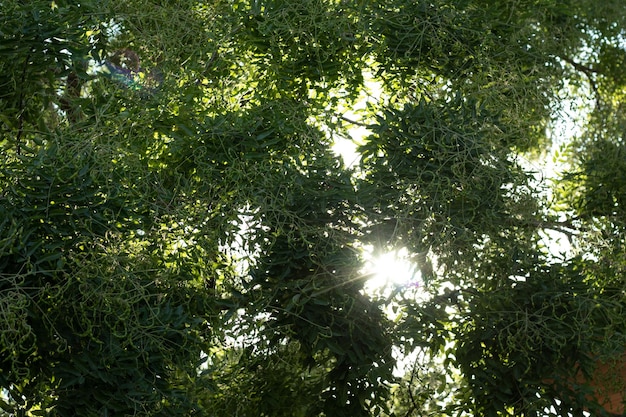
pixel 20 117
pixel 354 122
pixel 414 406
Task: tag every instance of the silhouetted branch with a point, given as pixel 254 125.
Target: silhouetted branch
pixel 354 122
pixel 589 73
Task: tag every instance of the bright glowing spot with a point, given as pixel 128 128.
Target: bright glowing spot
pixel 392 269
pixel 347 149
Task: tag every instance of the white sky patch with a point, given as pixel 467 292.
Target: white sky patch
pixel 346 147
pixel 239 250
pixel 568 124
pixel 347 150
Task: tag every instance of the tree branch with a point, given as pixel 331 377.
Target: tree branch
pixel 589 73
pixel 580 67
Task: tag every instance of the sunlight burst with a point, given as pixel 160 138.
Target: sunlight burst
pixel 391 270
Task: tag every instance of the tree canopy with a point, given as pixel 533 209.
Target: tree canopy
pixel 178 235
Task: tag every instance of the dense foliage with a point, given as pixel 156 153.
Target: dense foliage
pixel 178 236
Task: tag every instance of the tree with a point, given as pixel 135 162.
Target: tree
pixel 178 237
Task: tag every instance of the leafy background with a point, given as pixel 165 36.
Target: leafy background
pixel 178 237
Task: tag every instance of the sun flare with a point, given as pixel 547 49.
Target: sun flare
pixel 391 269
